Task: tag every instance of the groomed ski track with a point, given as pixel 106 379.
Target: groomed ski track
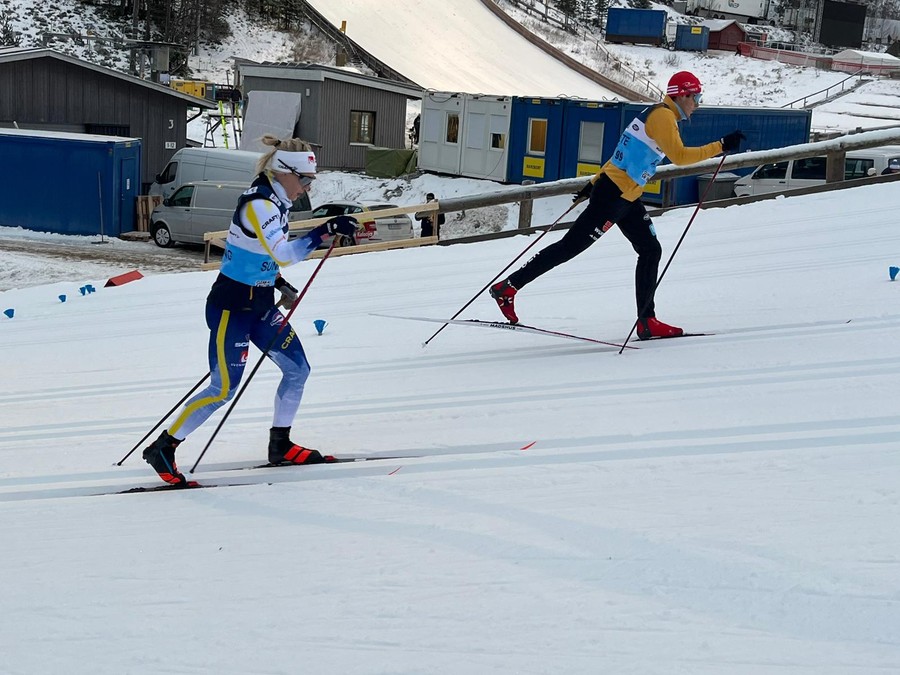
pixel 456 46
pixel 718 505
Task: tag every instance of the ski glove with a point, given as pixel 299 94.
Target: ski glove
pixel 289 294
pixel 731 143
pixel 584 193
pixel 343 225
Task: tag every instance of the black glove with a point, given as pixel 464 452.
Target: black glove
pixel 584 193
pixel 289 294
pixel 343 225
pixel 731 143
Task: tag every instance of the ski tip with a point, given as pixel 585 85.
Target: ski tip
pixel 528 446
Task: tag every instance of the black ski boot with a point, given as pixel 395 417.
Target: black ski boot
pixel 161 456
pixel 282 450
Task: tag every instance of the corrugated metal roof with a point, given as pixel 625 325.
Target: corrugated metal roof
pixel 315 71
pixel 10 54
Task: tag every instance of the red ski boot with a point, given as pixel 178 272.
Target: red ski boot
pixel 504 293
pixel 650 328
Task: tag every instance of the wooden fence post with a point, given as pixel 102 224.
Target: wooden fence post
pixel 834 167
pixel 525 207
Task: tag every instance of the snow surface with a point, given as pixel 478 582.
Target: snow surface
pixel 722 504
pixel 456 46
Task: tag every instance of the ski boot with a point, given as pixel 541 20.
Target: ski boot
pixel 504 293
pixel 282 450
pixel 652 328
pixel 161 456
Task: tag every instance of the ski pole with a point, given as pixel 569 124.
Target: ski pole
pixel 164 418
pixel 265 353
pixel 503 271
pixel 674 251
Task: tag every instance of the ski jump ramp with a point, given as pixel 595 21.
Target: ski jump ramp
pixel 456 45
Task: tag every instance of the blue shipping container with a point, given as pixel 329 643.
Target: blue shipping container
pixel 765 129
pixel 691 38
pixel 535 139
pixel 639 26
pixel 95 182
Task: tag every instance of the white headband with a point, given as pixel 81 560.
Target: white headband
pixel 301 162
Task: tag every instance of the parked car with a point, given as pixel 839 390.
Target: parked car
pixel 798 173
pixel 197 208
pixel 391 228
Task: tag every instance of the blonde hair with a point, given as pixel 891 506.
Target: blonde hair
pixel 289 144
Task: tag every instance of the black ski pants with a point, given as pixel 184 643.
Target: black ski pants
pixel 605 205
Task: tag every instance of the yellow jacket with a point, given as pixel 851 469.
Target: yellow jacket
pixel 662 127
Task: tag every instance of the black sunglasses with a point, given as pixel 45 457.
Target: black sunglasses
pixel 305 180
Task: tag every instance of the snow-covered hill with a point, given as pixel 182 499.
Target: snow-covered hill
pixel 729 79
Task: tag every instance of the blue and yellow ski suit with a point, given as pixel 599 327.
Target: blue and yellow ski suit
pixel 240 308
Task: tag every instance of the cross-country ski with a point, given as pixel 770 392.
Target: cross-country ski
pixel 506 326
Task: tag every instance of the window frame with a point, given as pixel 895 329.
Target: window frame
pixel 189 189
pixel 360 123
pixel 529 147
pixel 452 116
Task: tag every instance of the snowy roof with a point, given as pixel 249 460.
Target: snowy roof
pixel 719 24
pixel 865 57
pixel 294 70
pixel 10 54
pixel 68 135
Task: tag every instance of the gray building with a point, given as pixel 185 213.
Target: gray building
pixel 342 113
pixel 50 91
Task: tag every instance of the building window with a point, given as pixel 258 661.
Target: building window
pixel 590 146
pixel 537 136
pixel 499 125
pixel 452 128
pixel 362 127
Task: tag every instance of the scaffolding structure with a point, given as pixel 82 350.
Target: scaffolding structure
pixel 229 120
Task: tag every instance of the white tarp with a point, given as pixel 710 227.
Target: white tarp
pixel 866 58
pixel 269 112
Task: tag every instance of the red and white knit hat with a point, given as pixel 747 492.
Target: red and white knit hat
pixel 683 83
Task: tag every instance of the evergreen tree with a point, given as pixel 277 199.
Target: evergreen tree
pixel 568 7
pixel 601 8
pixel 8 37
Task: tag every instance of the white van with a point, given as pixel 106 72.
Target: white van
pixel 190 165
pixel 204 206
pixel 193 210
pixel 799 173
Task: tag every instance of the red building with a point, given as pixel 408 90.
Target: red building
pixel 725 34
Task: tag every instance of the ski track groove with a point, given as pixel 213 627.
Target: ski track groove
pixel 790 437
pixel 565 451
pixel 438 360
pixel 499 396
